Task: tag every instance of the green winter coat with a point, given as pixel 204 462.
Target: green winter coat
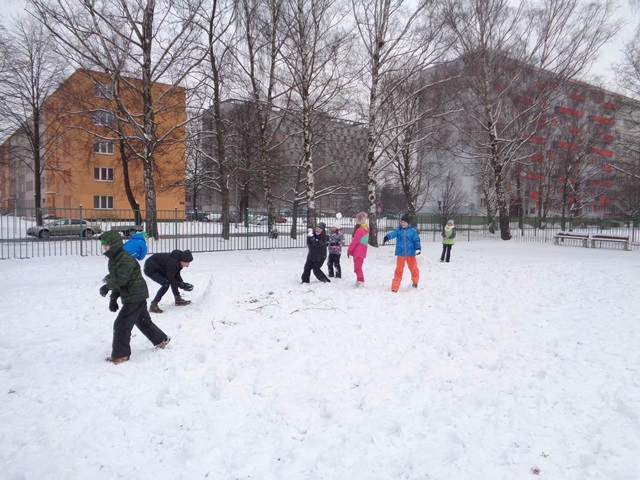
pixel 126 279
pixel 449 235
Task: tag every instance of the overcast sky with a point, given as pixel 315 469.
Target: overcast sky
pixel 609 55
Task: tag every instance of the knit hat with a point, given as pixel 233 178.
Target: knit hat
pixel 450 222
pixel 186 256
pixel 406 218
pixel 361 218
pixel 111 238
pixel 322 225
pixel 337 227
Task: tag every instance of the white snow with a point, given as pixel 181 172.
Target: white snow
pixel 514 361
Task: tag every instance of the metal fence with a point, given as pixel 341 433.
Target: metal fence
pixel 69 234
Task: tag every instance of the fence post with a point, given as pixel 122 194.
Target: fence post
pixel 81 232
pixel 175 226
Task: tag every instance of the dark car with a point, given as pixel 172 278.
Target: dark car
pixel 234 217
pixel 198 216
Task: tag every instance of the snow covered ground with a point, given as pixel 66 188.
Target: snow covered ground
pixel 514 361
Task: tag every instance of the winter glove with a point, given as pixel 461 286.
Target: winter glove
pixel 113 305
pixel 385 240
pixel 418 252
pixel 310 234
pixel 348 255
pixel 187 287
pixel 104 290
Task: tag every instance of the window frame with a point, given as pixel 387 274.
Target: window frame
pixel 102 90
pixel 103 174
pixel 106 200
pixel 103 118
pixel 99 144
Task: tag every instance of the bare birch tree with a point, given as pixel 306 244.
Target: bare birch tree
pixel 31 72
pixel 137 44
pixel 414 113
pixel 217 21
pixel 398 41
pixel 503 46
pixel 259 60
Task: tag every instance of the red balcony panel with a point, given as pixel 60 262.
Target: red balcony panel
pixel 578 96
pixel 605 200
pixel 603 120
pixel 602 151
pixel 568 146
pixel 552 155
pixel 569 111
pixel 600 183
pixel 608 138
pixel 533 195
pixel 607 168
pixel 526 100
pixel 609 106
pixel 533 176
pixel 538 140
pixel 575 130
pixel 538 158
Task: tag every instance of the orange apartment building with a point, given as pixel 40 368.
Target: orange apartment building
pixel 82 159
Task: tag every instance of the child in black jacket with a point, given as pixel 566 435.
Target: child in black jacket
pixel 317 243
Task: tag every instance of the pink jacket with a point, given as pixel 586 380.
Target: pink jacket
pixel 358 246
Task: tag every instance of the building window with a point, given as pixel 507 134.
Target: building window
pixel 102 174
pixel 103 146
pixel 103 202
pixel 104 118
pixel 102 90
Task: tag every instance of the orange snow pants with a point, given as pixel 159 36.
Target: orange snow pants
pixel 413 268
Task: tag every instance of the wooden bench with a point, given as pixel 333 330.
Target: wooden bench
pixel 619 239
pixel 582 238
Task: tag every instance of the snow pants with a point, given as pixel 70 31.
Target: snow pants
pixel 133 314
pixel 357 268
pixel 334 261
pixel 446 252
pixel 412 263
pixel 316 267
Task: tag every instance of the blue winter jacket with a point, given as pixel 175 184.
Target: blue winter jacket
pixel 407 241
pixel 136 246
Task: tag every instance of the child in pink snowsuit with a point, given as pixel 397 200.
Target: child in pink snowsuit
pixel 358 246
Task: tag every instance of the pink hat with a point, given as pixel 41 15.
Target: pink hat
pixel 361 217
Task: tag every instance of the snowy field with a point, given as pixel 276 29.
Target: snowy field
pixel 514 361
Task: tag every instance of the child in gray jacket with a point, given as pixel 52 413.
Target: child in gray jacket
pixel 335 249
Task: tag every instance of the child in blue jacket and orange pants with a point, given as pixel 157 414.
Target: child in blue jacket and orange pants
pixel 407 247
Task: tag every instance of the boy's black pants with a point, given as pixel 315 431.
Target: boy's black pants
pixel 129 315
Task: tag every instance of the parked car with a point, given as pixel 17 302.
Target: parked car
pixel 234 217
pixel 65 227
pixel 198 216
pixel 265 221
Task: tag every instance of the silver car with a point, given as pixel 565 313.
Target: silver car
pixel 65 227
